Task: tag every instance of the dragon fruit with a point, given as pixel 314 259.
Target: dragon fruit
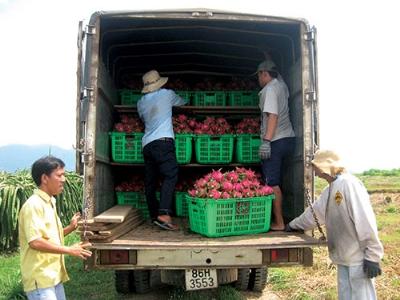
pixel 238 183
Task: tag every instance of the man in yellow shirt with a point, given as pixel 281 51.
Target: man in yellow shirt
pixel 41 235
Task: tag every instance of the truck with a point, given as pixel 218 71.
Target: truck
pixel 115 47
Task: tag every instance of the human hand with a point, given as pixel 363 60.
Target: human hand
pixel 265 149
pixel 80 251
pixel 288 228
pixel 372 269
pixel 74 220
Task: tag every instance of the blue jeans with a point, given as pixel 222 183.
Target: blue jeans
pixel 160 161
pixel 52 293
pixel 272 167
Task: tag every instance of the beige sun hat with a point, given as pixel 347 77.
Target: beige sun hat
pixel 152 81
pixel 328 162
pixel 266 65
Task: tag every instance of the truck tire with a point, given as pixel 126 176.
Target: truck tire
pixel 243 279
pixel 141 279
pixel 258 279
pixel 124 282
pixel 173 277
pixel 227 275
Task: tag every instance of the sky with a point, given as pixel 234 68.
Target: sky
pixel 358 70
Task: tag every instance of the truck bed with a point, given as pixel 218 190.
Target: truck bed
pixel 149 236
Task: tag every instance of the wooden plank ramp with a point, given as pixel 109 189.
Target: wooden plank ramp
pixel 107 232
pixel 115 214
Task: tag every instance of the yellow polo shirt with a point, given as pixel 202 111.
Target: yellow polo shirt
pixel 38 219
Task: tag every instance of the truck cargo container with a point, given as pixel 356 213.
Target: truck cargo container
pixel 115 49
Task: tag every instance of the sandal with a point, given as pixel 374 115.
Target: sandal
pixel 166 225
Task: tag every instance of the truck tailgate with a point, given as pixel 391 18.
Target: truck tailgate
pixel 149 236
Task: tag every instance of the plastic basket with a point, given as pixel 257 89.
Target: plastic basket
pixel 137 200
pixel 243 98
pixel 214 149
pixel 129 97
pixel 183 146
pixel 225 217
pixel 247 146
pixel 187 95
pixel 209 98
pixel 181 205
pixel 126 147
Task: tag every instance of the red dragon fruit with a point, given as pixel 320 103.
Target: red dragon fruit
pixel 238 183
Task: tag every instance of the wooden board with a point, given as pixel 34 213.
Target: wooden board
pixel 96 226
pixel 127 226
pixel 115 214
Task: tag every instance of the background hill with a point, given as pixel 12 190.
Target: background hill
pixel 18 157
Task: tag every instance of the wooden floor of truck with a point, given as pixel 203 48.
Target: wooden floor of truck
pixel 151 236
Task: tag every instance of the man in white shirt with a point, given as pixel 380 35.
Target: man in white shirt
pixel 353 243
pixel 277 133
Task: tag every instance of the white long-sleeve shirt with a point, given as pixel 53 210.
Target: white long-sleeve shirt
pixel 350 222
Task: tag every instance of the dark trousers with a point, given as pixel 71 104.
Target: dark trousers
pixel 160 162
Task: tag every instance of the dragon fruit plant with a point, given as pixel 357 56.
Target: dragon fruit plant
pixel 238 183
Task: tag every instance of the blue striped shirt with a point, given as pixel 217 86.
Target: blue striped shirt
pixel 155 110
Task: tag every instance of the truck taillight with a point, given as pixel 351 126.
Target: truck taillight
pixel 288 256
pixel 117 257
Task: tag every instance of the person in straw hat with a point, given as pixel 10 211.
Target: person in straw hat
pixel 155 109
pixel 344 207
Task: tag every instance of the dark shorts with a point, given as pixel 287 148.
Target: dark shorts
pixel 272 167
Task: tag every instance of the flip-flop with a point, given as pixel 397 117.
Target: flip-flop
pixel 165 225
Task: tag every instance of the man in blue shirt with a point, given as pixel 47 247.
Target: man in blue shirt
pixel 158 143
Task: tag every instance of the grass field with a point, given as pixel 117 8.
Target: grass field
pixel 317 282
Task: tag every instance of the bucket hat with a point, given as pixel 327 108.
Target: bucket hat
pixel 328 162
pixel 152 81
pixel 266 65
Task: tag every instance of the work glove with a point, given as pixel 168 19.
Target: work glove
pixel 372 269
pixel 265 149
pixel 288 228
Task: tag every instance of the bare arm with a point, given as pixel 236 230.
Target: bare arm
pixel 272 123
pixel 78 250
pixel 73 224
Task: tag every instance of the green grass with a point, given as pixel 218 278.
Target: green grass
pixel 373 184
pixel 10 277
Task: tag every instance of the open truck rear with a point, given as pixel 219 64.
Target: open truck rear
pixel 115 47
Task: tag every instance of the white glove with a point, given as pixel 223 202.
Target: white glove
pixel 265 149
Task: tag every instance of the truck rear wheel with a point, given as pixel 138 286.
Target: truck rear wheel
pixel 243 279
pixel 124 282
pixel 141 279
pixel 258 279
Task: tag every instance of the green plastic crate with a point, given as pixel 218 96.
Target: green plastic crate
pixel 243 98
pixel 137 200
pixel 247 146
pixel 214 149
pixel 187 95
pixel 225 217
pixel 126 147
pixel 209 98
pixel 181 205
pixel 129 97
pixel 183 147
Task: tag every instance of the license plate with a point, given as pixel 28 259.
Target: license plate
pixel 197 279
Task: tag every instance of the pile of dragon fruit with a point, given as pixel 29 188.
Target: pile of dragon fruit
pixel 238 183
